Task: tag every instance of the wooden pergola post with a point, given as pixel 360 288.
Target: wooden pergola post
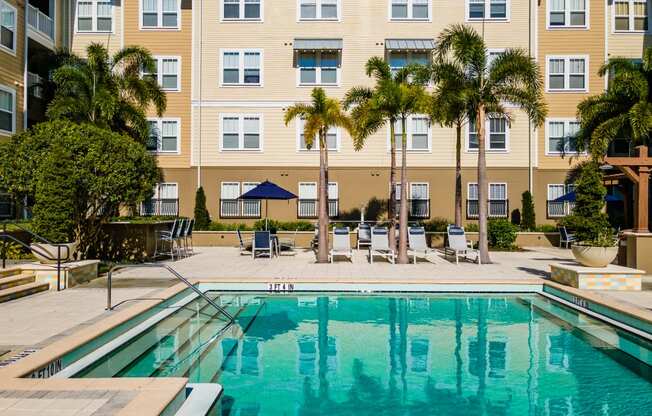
pixel 637 169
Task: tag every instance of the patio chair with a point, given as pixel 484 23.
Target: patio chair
pixel 458 245
pixel 189 243
pixel 290 243
pixel 380 244
pixel 341 244
pixel 364 235
pixel 245 243
pixel 262 244
pixel 181 237
pixel 417 243
pixel 166 238
pixel 566 238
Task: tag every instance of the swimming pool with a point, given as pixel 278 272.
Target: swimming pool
pixel 391 354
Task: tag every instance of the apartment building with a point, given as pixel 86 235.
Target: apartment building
pixel 231 67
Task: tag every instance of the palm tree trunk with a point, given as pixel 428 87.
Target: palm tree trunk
pixel 403 213
pixel 322 201
pixel 391 206
pixel 483 200
pixel 458 175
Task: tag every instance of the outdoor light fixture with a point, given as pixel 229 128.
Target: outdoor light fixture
pixel 606 166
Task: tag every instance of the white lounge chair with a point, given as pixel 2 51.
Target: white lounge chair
pixel 245 244
pixel 458 245
pixel 417 243
pixel 380 244
pixel 341 244
pixel 364 235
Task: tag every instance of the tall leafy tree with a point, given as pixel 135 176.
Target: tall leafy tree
pixel 512 77
pixel 624 110
pixel 108 91
pixel 319 116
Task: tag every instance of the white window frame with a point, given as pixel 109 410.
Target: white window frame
pixel 409 59
pixel 14 112
pixel 159 13
pixel 94 17
pixel 567 205
pixel 4 4
pixel 468 194
pixel 409 18
pixel 241 68
pixel 566 121
pixel 318 4
pixel 241 203
pixel 241 117
pixel 487 12
pixel 567 11
pixel 315 147
pixel 159 72
pixel 567 59
pixel 243 19
pixel 411 194
pixel 318 82
pixel 159 125
pixel 631 18
pixel 410 126
pixel 487 130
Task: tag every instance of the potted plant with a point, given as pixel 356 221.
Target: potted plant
pixel 596 245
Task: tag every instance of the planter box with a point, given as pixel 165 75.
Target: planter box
pixel 611 277
pixel 125 241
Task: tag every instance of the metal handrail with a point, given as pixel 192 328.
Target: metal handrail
pixel 173 272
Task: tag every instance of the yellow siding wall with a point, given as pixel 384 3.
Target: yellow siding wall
pixel 12 65
pixel 112 41
pixel 628 45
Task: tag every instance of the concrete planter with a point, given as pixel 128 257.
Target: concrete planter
pixel 40 250
pixel 594 256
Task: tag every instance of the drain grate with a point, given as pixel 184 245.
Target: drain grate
pixel 24 353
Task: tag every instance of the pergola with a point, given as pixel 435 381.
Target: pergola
pixel 637 169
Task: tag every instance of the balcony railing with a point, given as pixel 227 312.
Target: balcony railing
pixel 559 209
pixel 307 208
pixel 40 21
pixel 418 208
pixel 160 207
pixel 498 208
pixel 239 208
pixel 34 84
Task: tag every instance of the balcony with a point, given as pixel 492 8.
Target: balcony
pixel 307 208
pixel 40 22
pixel 34 85
pixel 498 208
pixel 419 208
pixel 560 209
pixel 239 208
pixel 168 207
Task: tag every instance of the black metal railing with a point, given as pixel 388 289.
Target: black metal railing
pixel 497 208
pixel 307 208
pixel 418 208
pixel 240 208
pixel 559 209
pixel 155 206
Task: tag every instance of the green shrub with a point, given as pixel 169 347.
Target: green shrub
pixel 143 220
pixel 219 226
pixel 528 218
pixel 501 234
pixel 437 224
pixel 284 226
pixel 13 251
pixel 546 228
pixel 472 227
pixel 202 218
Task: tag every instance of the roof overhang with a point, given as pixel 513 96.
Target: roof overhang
pixel 318 44
pixel 410 44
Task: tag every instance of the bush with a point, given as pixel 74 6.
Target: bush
pixel 285 226
pixel 151 219
pixel 501 234
pixel 219 226
pixel 202 218
pixel 437 224
pixel 472 227
pixel 528 219
pixel 546 228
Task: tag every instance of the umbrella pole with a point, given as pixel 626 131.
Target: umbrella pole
pixel 266 214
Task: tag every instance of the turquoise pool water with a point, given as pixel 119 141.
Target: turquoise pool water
pixel 406 354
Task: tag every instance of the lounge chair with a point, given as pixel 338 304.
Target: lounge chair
pixel 380 244
pixel 341 244
pixel 565 238
pixel 458 245
pixel 245 244
pixel 364 235
pixel 262 244
pixel 417 243
pixel 288 244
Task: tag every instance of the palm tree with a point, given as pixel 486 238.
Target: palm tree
pixel 623 110
pixel 394 98
pixel 512 77
pixel 320 115
pixel 108 91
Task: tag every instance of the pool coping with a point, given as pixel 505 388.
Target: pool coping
pixel 155 394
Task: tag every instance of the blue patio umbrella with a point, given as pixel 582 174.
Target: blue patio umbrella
pixel 571 197
pixel 268 190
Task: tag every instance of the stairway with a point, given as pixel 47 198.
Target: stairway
pixel 14 284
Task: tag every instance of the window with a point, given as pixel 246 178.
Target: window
pixel 419 203
pixel 163 135
pixel 496 134
pixel 232 207
pixel 242 67
pixel 567 13
pixel 410 9
pixel 94 16
pixel 318 68
pixel 418 133
pixel 161 14
pixel 400 59
pixel 558 209
pixel 166 72
pixel 332 138
pixel 241 132
pixel 242 9
pixel 7 26
pixel 498 204
pixel 567 73
pixel 319 9
pixel 561 136
pixel 487 9
pixel 165 201
pixel 7 110
pixel 307 203
pixel 630 16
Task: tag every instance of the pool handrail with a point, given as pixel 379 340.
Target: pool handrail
pixel 176 274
